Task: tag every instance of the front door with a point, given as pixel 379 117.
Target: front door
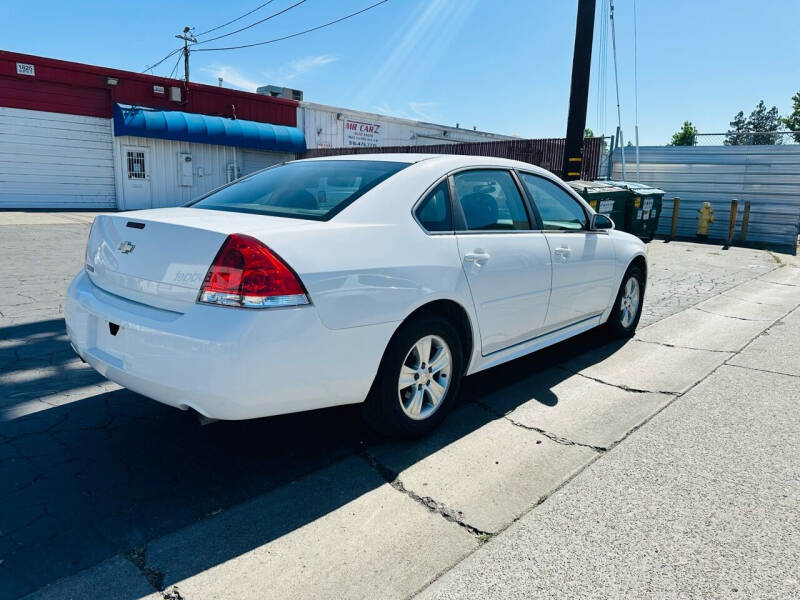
pixel 583 260
pixel 507 264
pixel 136 177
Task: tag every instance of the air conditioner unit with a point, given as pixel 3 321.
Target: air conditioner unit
pixel 175 94
pixel 277 91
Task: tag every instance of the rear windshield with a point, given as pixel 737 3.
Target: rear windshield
pixel 303 190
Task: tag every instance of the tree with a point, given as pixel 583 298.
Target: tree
pixel 588 133
pixel 737 135
pixel 756 128
pixel 687 136
pixel 792 121
pixel 762 119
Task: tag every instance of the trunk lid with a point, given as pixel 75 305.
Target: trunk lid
pixel 160 257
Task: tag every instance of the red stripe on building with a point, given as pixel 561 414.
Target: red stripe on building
pixel 79 89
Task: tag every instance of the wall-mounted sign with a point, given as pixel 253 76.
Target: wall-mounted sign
pixel 158 89
pixel 362 133
pixel 26 69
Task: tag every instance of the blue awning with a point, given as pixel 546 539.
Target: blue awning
pixel 206 129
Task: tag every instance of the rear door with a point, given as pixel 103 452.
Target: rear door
pixel 583 260
pixel 507 262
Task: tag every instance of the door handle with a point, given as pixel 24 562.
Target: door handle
pixel 477 257
pixel 563 252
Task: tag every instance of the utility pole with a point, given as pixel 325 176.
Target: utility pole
pixel 579 90
pixel 186 37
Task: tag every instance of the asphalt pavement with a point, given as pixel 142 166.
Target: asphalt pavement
pixel 107 494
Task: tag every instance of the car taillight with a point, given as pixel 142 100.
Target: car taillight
pixel 247 274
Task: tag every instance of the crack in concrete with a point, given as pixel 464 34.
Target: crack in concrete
pixel 548 434
pixel 393 479
pixel 138 557
pixel 727 364
pixel 708 312
pixel 666 345
pixel 620 386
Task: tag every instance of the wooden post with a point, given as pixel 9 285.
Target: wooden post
pixel 732 221
pixel 676 205
pixel 745 220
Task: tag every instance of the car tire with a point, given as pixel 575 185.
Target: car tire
pixel 415 405
pixel 627 309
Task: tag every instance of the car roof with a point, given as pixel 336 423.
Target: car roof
pixel 451 161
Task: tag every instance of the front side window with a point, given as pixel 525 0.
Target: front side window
pixel 433 213
pixel 314 189
pixel 557 209
pixel 490 200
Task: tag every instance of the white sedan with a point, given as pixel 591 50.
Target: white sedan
pixel 375 279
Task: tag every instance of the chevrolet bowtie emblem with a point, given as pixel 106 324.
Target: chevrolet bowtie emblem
pixel 126 247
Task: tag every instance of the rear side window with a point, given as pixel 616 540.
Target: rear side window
pixel 556 207
pixel 490 200
pixel 312 189
pixel 434 211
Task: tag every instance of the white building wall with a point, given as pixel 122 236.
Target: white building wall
pixel 55 160
pixel 324 127
pixel 210 167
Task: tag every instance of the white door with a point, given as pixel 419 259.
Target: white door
pixel 136 177
pixel 507 264
pixel 583 260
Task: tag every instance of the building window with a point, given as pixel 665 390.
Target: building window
pixel 136 165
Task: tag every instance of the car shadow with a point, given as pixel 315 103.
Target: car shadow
pixel 103 475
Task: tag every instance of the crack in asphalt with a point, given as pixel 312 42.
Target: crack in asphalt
pixel 393 479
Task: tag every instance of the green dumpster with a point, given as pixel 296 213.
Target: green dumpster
pixel 605 198
pixel 644 208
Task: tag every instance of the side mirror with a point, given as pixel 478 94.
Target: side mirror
pixel 600 222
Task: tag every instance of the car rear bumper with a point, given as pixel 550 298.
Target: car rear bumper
pixel 225 363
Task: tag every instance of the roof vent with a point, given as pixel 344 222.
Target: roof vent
pixel 280 92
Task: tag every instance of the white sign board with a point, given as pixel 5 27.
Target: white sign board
pixel 362 133
pixel 606 206
pixel 25 69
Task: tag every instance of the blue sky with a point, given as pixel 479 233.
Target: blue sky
pixel 502 66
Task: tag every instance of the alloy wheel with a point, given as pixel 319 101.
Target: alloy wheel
pixel 629 303
pixel 425 377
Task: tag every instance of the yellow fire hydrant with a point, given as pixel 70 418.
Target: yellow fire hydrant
pixel 705 219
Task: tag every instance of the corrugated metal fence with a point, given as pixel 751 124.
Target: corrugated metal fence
pixel 545 153
pixel 767 176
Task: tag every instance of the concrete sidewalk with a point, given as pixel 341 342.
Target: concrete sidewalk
pixel 701 502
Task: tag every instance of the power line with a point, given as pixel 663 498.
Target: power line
pixel 259 7
pixel 153 66
pixel 286 37
pixel 175 68
pixel 272 16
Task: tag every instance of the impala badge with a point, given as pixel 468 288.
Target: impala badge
pixel 126 247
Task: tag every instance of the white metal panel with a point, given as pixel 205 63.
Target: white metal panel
pixel 209 167
pixel 766 175
pixel 324 127
pixel 54 160
pixel 255 160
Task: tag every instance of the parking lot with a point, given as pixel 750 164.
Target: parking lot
pixel 609 448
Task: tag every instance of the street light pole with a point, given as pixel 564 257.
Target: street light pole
pixel 579 90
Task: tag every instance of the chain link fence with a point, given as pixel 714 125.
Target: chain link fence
pixel 747 138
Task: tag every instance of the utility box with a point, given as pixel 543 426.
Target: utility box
pixel 644 208
pixel 605 198
pixel 185 169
